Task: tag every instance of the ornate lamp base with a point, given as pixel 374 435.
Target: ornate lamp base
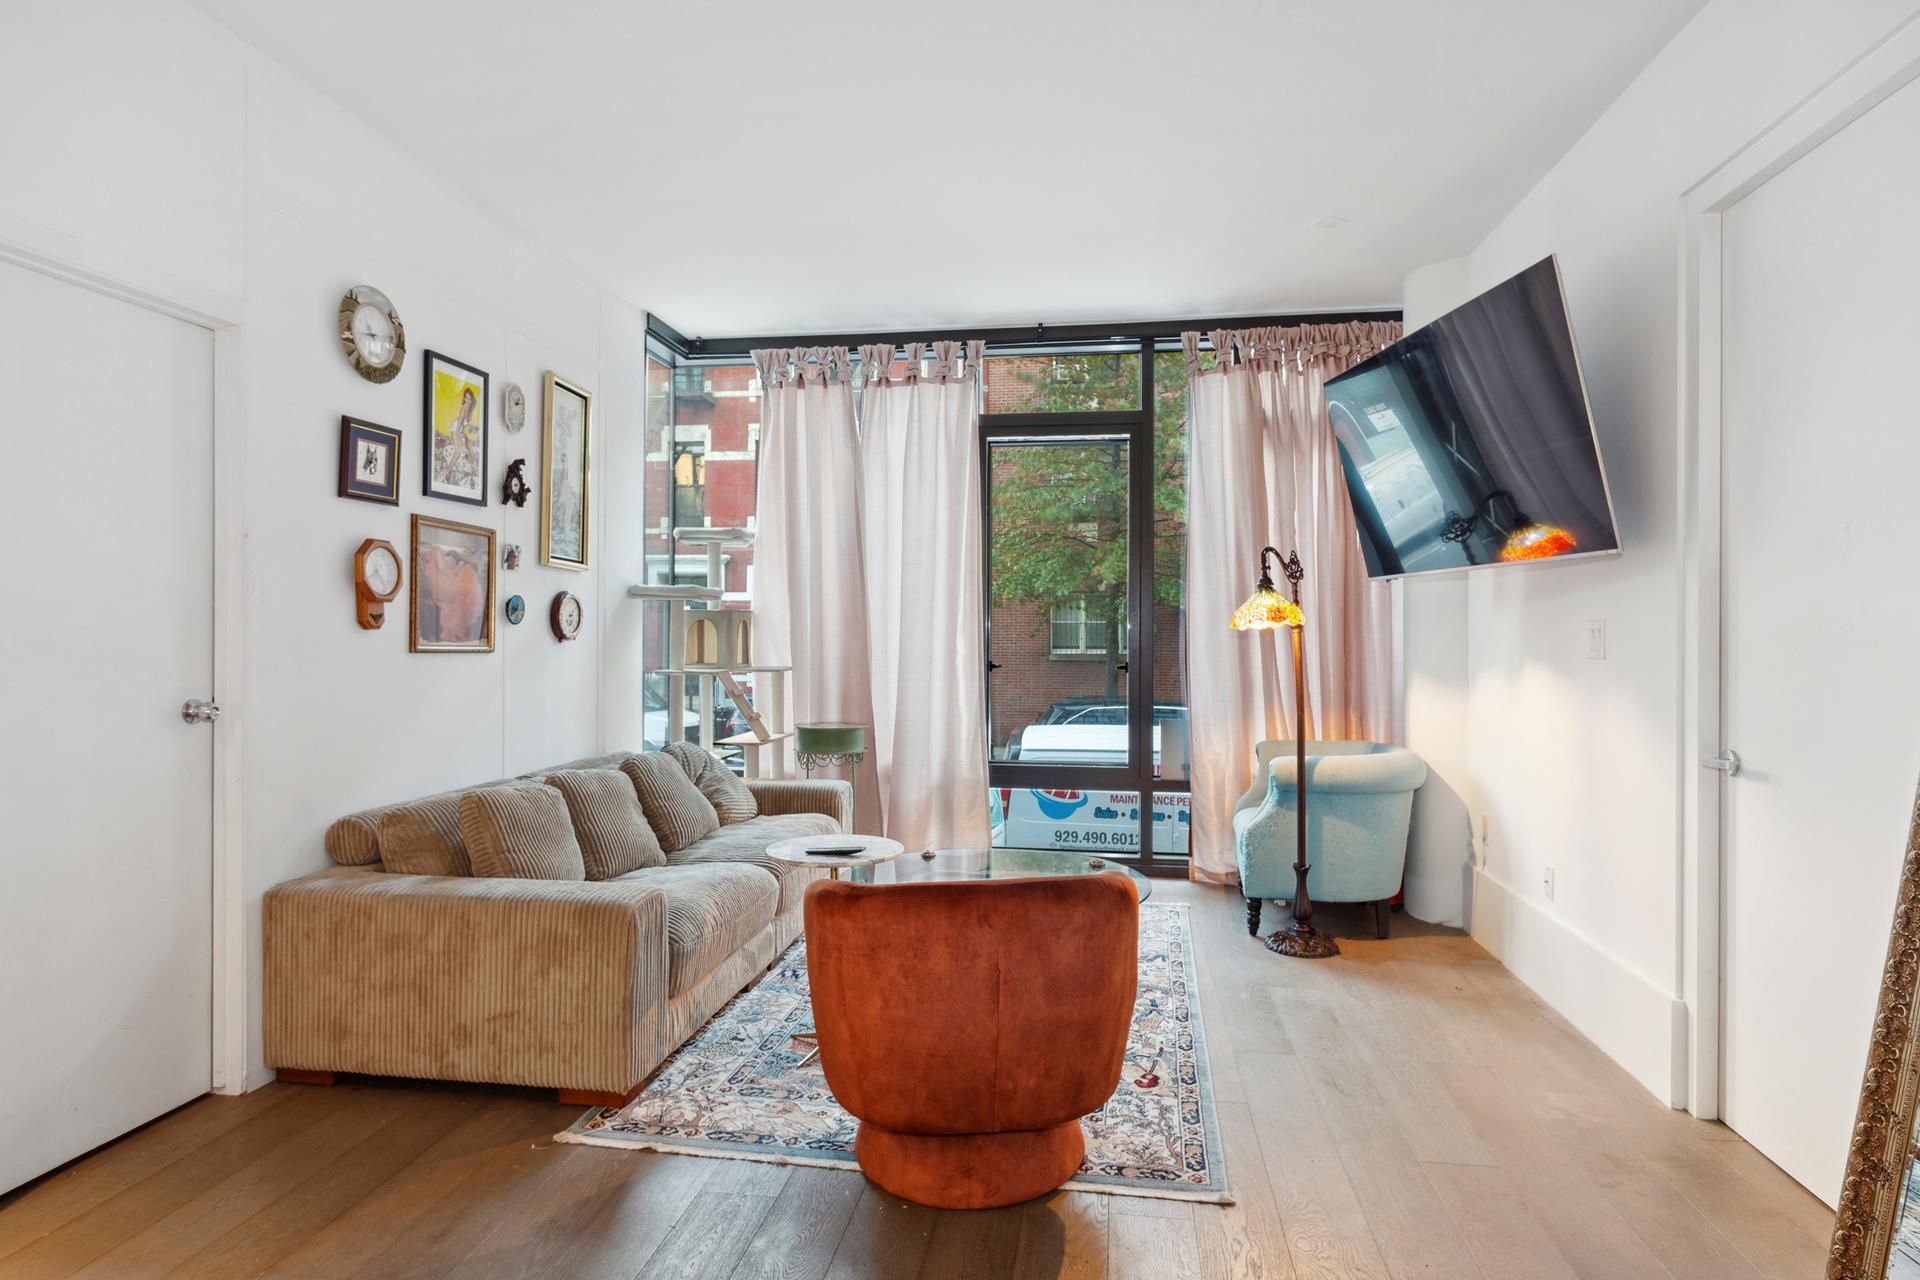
pixel 1303 941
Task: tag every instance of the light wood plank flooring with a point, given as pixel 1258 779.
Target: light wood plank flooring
pixel 1408 1109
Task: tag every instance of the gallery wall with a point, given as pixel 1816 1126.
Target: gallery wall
pixel 177 153
pixel 1574 763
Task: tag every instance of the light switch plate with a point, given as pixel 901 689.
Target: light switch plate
pixel 1597 639
pixel 1548 885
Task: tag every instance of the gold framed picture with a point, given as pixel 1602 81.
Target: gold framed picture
pixel 451 588
pixel 567 454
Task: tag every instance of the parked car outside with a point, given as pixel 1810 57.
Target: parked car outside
pixel 1104 710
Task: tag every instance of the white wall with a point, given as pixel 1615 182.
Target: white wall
pixel 1575 764
pixel 184 157
pixel 1433 653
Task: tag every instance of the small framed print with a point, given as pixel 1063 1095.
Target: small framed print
pixel 452 588
pixel 455 417
pixel 369 462
pixel 564 494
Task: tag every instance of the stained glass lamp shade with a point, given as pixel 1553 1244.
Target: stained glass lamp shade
pixel 1266 610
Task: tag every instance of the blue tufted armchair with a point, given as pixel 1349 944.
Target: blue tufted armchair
pixel 1359 802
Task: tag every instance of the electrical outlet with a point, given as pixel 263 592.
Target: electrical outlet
pixel 1548 884
pixel 1597 639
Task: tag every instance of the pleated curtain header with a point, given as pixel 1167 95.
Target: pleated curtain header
pixel 780 366
pixel 925 362
pixel 1344 344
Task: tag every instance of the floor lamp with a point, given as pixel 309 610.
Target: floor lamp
pixel 1267 610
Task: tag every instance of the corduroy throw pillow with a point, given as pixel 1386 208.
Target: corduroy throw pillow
pixel 520 833
pixel 730 797
pixel 422 838
pixel 675 809
pixel 608 821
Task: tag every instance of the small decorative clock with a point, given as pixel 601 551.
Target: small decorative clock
pixel 371 334
pixel 566 616
pixel 516 610
pixel 376 580
pixel 515 489
pixel 513 406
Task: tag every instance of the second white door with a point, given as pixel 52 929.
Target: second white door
pixel 105 878
pixel 1821 684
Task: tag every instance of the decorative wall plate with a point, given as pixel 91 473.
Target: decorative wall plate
pixel 371 334
pixel 513 406
pixel 516 610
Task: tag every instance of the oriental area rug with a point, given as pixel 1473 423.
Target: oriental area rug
pixel 742 1088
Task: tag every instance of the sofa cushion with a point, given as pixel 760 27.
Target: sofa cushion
pixel 611 760
pixel 608 821
pixel 746 842
pixel 675 809
pixel 520 833
pixel 729 796
pixel 422 837
pixel 712 911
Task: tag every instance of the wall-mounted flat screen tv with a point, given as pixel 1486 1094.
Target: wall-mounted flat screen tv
pixel 1469 442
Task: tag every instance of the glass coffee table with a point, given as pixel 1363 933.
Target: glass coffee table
pixel 996 864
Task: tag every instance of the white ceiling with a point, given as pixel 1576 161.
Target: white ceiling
pixel 762 168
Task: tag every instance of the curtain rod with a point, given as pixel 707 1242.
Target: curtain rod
pixel 1035 335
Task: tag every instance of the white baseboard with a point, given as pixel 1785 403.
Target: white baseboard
pixel 1638 1025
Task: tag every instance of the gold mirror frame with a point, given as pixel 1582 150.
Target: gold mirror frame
pixel 1882 1146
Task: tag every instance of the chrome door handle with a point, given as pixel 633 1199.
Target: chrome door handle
pixel 1727 762
pixel 199 711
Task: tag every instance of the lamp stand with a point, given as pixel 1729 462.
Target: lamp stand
pixel 1300 938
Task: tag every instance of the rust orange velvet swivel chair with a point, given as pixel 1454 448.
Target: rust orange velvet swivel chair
pixel 970 1025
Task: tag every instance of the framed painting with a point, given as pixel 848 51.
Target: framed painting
pixel 369 462
pixel 564 495
pixel 451 588
pixel 455 418
pixel 1876 1228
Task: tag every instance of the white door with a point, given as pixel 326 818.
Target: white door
pixel 1821 692
pixel 106 419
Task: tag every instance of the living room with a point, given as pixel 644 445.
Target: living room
pixel 1193 661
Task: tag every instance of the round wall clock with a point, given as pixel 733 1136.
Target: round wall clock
pixel 371 334
pixel 513 406
pixel 516 609
pixel 566 616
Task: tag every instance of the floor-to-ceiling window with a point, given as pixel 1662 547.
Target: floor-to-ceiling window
pixel 703 434
pixel 1083 446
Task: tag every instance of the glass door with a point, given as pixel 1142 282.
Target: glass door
pixel 1057 588
pixel 1085 684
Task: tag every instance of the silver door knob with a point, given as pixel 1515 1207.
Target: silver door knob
pixel 199 711
pixel 1727 762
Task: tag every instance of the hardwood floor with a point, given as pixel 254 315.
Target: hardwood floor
pixel 1408 1109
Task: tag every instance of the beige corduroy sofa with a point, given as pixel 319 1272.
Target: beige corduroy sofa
pixel 583 986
